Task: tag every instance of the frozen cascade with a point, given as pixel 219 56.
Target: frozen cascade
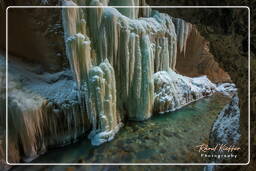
pixel 43 112
pixel 100 93
pixel 135 48
pixel 96 83
pixel 131 45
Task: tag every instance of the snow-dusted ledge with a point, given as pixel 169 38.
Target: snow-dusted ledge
pixel 227 89
pixel 173 91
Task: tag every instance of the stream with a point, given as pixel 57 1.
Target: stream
pixel 167 138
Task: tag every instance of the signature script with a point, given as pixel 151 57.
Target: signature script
pixel 218 147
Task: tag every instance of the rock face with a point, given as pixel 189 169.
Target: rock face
pixel 199 60
pixel 2 112
pixel 226 129
pixel 227 32
pixel 42 26
pixel 194 57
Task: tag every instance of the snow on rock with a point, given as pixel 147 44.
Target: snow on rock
pixel 173 91
pixel 225 129
pixel 227 89
pixel 43 111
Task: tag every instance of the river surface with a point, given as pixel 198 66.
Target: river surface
pixel 167 138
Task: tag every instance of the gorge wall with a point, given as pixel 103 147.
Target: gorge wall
pixel 227 32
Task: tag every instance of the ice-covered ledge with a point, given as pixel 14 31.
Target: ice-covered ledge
pixel 173 91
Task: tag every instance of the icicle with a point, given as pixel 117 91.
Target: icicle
pixel 101 103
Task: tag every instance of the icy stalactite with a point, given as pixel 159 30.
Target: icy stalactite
pixel 183 30
pixel 173 91
pixel 96 79
pixel 78 45
pixel 101 103
pixel 42 123
pixel 114 30
pixel 132 13
pixel 142 88
pixel 81 60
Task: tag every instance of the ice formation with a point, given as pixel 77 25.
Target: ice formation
pixel 172 91
pixel 141 54
pixel 183 29
pixel 123 63
pixel 100 94
pixel 228 89
pixel 43 111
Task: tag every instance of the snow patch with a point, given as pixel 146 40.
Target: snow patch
pixel 227 89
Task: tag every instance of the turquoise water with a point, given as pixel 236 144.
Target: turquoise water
pixel 167 138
